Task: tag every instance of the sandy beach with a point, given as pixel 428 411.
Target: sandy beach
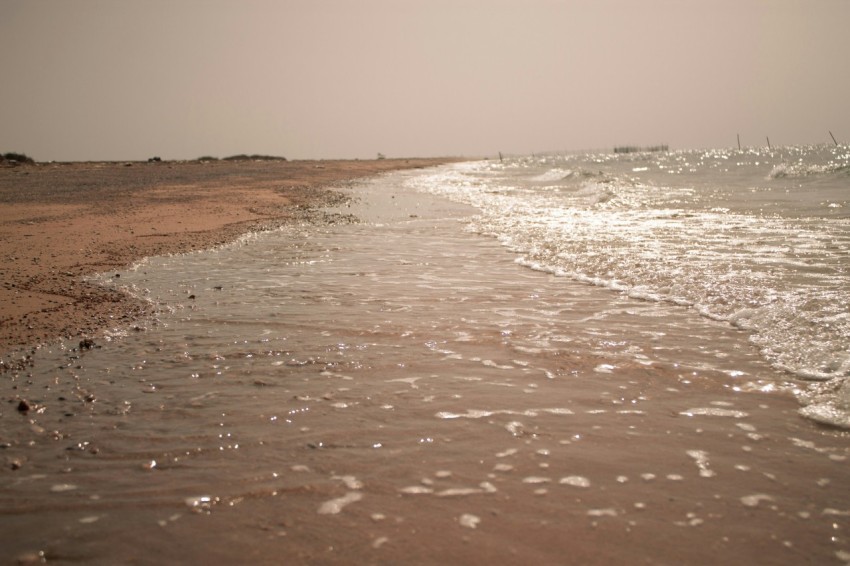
pixel 609 325
pixel 61 221
pixel 395 390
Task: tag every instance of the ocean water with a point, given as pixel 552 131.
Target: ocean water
pixel 759 239
pixel 489 362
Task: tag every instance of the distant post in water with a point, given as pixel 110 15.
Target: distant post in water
pixel 500 156
pixel 768 141
pixel 739 141
pixel 833 138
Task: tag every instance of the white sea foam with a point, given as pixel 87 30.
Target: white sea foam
pixel 335 506
pixel 756 499
pixel 828 402
pixel 700 457
pixel 469 520
pixel 478 413
pixel 687 228
pixel 575 481
pixel 715 412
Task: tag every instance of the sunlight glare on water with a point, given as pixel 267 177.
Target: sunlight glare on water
pixel 376 387
pixel 760 240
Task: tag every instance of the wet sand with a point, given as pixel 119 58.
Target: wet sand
pixel 62 221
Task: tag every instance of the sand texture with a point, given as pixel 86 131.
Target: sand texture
pixel 59 222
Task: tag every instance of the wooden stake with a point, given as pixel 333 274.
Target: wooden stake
pixel 833 138
pixel 768 142
pixel 739 142
pixel 500 156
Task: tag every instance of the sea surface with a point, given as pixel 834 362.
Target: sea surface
pixel 759 239
pixel 599 358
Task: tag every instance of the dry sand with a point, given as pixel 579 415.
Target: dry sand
pixel 59 222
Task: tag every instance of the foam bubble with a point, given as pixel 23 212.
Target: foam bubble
pixel 479 414
pixel 350 482
pixel 458 491
pixel 836 512
pixel 379 542
pixel 536 479
pixel 469 521
pixel 714 412
pixel 701 459
pixel 575 481
pixel 335 506
pixel 755 499
pixel 416 490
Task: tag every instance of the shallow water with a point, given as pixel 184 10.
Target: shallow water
pixel 757 238
pixel 400 390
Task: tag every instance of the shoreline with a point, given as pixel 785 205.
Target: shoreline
pixel 60 222
pixel 399 390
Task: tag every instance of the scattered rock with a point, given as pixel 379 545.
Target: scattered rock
pixel 24 406
pixel 86 344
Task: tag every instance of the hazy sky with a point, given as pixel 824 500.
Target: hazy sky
pixel 130 79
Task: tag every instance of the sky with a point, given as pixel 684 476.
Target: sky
pixel 321 79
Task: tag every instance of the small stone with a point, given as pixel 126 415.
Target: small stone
pixel 24 406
